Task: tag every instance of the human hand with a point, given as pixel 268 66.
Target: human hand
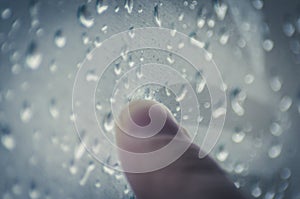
pixel 188 177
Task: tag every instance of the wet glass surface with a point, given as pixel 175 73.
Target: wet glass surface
pixel 255 44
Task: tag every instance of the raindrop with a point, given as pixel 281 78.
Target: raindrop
pixel 288 29
pixel 275 151
pixel 237 99
pixel 6 13
pixel 97 42
pixel 59 39
pixel 26 113
pixel 53 67
pixel 33 192
pixel 222 154
pixel 285 173
pixel 131 32
pixel 91 76
pixel 224 38
pixel 270 195
pixel 256 191
pixel 258 4
pixel 139 72
pixel 218 111
pixel 200 82
pixel 128 6
pixel 268 45
pixel 201 17
pixel 87 174
pixel 181 16
pixel 157 19
pixel 275 129
pixel 220 8
pixel 85 38
pixel 79 150
pixel 239 168
pixel 53 110
pixel 33 57
pixel 238 136
pixel 249 79
pixel 170 59
pixel 117 69
pixel 101 7
pixel 108 122
pixel 8 141
pixel 285 103
pixel 17 189
pixel 16 69
pixel 196 42
pixel 182 93
pixel 275 84
pixel 85 17
pixel 108 170
pixel 97 184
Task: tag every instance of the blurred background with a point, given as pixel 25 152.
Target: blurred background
pixel 255 43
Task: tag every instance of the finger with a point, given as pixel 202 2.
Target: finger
pixel 187 177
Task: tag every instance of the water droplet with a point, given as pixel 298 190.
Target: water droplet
pixel 157 19
pixel 128 6
pixel 79 150
pixel 53 110
pixel 201 17
pixel 87 173
pixel 285 103
pixel 181 16
pixel 53 66
pixel 288 29
pixel 220 8
pixel 200 82
pixel 108 122
pixel 85 17
pixel 170 59
pixel 17 189
pixel 224 38
pixel 59 39
pixel 275 151
pixel 275 129
pixel 239 168
pixel 268 45
pixel 196 42
pixel 249 79
pixel 270 195
pixel 237 99
pixel 258 4
pixel 275 84
pixel 139 72
pixel 33 191
pixel 33 57
pixel 182 93
pixel 256 191
pixel 101 7
pixel 91 76
pixel 8 141
pixel 238 136
pixel 285 173
pixel 222 154
pixel 16 69
pixel 97 184
pixel 6 13
pixel 108 170
pixel 26 113
pixel 117 69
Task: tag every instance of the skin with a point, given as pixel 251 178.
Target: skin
pixel 188 177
